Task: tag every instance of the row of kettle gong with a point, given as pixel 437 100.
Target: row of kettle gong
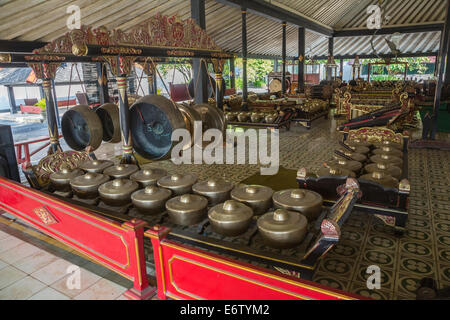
pixel 282 217
pixel 383 162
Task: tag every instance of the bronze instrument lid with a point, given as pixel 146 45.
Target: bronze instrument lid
pixel 148 175
pixel 230 211
pixel 359 143
pixel 335 172
pixel 390 170
pixel 65 175
pixel 298 198
pixel 177 180
pixel 354 166
pixel 121 170
pixel 89 180
pixel 381 178
pixel 96 165
pixel 212 186
pixel 118 187
pixel 187 203
pixel 387 160
pixel 355 156
pixel 281 221
pixel 252 193
pixel 151 194
pixel 360 149
pixel 387 143
pixel 389 151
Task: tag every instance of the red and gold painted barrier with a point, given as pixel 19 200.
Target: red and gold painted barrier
pixel 184 272
pixel 116 246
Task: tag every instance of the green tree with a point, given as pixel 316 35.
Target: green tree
pixel 393 70
pixel 257 71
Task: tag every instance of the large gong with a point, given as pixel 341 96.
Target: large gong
pixel 212 117
pixel 153 118
pixel 190 116
pixel 275 85
pixel 81 128
pixel 109 116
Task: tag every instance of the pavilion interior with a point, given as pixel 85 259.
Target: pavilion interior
pixel 424 249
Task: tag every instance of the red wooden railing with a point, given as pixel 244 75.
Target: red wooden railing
pixel 184 272
pixel 116 246
pixel 23 154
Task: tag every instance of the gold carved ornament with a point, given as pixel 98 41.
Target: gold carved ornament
pixel 57 161
pixel 158 31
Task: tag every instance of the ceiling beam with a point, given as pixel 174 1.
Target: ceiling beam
pixel 372 56
pixel 389 30
pixel 268 10
pixel 14 46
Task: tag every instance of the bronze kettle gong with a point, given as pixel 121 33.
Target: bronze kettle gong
pixel 231 218
pixel 283 229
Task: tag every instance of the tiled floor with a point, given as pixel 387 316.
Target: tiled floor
pixel 29 272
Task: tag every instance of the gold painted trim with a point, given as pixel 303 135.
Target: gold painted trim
pixel 161 262
pixel 258 272
pixel 174 257
pixel 62 236
pixel 55 200
pixel 77 252
pixel 247 253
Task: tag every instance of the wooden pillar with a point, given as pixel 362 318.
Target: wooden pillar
pixel 12 100
pixel 218 65
pixel 341 69
pixel 102 82
pixel 330 53
pixel 301 59
pixel 201 76
pixel 151 77
pixel 51 116
pixel 232 75
pixel 41 91
pixel 55 98
pixel 443 61
pixel 244 60
pixel 283 53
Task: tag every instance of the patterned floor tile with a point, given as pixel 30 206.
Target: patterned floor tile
pixel 333 282
pixel 361 289
pixel 417 266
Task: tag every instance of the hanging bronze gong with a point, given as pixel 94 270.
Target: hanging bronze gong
pixel 212 117
pixel 191 116
pixel 82 128
pixel 109 116
pixel 153 119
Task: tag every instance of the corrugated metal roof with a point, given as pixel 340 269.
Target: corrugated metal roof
pixel 408 43
pixel 29 21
